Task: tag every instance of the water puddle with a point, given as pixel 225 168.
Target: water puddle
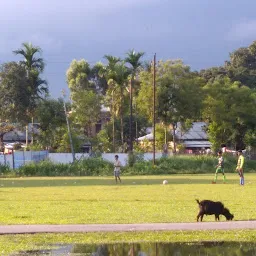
pixel 150 249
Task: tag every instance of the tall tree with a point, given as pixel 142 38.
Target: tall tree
pixel 15 94
pixel 134 59
pixel 86 109
pixel 51 117
pixel 118 78
pixel 242 65
pixel 86 102
pixel 37 87
pixel 180 94
pixel 31 62
pixel 77 76
pixel 230 109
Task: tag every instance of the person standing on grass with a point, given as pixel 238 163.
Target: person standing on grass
pixel 117 165
pixel 220 168
pixel 240 166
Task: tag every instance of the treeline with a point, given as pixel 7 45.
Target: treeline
pixel 224 97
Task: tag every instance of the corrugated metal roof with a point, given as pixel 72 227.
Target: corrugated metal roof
pixel 196 132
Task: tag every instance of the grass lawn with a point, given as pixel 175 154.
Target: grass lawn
pixel 139 199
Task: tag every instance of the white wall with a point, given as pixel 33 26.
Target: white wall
pixel 66 158
pixel 123 157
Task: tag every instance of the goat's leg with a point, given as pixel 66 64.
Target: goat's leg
pixel 217 217
pixel 202 215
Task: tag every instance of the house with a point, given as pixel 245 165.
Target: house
pixel 194 139
pixel 20 135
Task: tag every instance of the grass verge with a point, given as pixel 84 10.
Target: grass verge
pixel 15 243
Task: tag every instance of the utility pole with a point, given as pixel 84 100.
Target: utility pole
pixel 68 126
pixel 130 126
pixel 154 110
pixel 113 127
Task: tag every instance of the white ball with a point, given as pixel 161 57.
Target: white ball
pixel 165 182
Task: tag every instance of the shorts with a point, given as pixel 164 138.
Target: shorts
pixel 220 169
pixel 116 173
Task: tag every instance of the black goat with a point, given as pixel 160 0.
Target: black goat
pixel 209 207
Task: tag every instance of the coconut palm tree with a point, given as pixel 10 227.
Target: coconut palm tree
pixel 133 59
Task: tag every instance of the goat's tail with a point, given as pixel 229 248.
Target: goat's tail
pixel 197 201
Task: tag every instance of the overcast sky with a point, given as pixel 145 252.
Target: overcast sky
pixel 201 32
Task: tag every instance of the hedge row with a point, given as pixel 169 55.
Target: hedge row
pixel 98 166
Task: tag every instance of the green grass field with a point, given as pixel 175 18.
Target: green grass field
pixel 139 199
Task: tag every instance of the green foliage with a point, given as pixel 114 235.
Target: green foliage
pixel 134 157
pixel 64 142
pixel 37 88
pixel 5 169
pixel 231 109
pixel 242 65
pixel 179 92
pixel 185 165
pixel 85 167
pixel 51 117
pixel 86 110
pixel 77 75
pixel 95 166
pixel 14 92
pixel 104 139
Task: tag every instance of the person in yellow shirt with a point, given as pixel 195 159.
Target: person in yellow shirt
pixel 240 166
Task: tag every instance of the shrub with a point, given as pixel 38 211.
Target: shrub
pixel 95 166
pixel 5 169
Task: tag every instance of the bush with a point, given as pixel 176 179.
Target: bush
pixel 97 166
pixel 85 167
pixel 5 169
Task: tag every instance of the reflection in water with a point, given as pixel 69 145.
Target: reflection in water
pixel 153 249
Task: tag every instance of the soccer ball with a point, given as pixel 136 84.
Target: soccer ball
pixel 165 182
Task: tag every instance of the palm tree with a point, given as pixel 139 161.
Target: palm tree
pixel 30 61
pixel 112 61
pixel 37 87
pixel 34 66
pixel 117 74
pixel 121 74
pixel 133 59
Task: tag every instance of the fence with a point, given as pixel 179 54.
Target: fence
pixel 20 158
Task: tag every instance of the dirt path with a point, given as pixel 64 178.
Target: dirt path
pixel 31 229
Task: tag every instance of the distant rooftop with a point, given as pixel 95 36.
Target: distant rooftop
pixel 196 132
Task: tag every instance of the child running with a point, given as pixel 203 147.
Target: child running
pixel 220 168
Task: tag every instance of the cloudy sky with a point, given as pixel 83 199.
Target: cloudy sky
pixel 201 32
